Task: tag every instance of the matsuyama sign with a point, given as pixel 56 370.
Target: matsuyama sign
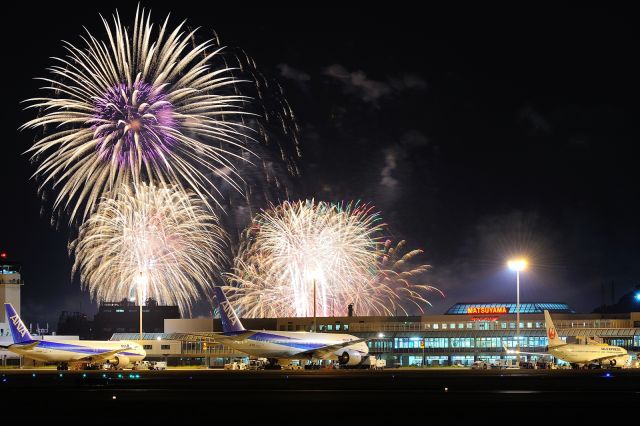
pixel 486 310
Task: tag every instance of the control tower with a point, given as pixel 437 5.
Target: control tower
pixel 10 283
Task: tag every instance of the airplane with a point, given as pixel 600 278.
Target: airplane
pixel 118 354
pixel 279 347
pixel 579 355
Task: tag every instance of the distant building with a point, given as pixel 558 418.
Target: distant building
pixel 124 317
pixel 75 323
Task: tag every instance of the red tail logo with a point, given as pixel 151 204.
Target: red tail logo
pixel 552 333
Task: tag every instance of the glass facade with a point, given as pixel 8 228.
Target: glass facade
pixel 533 342
pixel 525 308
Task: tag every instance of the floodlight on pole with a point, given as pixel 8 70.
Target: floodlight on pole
pixel 517 265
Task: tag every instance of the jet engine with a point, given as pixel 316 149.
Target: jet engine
pixel 619 361
pixel 120 361
pixel 350 357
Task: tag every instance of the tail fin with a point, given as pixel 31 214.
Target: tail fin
pixel 19 331
pixel 230 321
pixel 552 333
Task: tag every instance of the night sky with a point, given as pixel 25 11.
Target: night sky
pixel 478 134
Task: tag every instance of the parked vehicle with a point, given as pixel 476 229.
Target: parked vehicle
pixel 480 365
pixel 257 364
pixel 142 365
pixel 235 366
pixel 158 365
pixel 377 364
pixel 292 367
pixel 504 363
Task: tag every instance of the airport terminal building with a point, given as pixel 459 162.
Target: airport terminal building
pixel 465 333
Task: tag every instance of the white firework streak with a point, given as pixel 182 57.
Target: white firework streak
pixel 160 233
pixel 148 106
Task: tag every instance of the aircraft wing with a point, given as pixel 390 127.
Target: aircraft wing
pixel 24 347
pixel 609 357
pixel 325 352
pixel 103 356
pixel 513 351
pixel 222 338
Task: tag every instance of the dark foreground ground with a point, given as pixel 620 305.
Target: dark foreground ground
pixel 321 397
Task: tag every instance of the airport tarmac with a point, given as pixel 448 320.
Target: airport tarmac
pixel 197 393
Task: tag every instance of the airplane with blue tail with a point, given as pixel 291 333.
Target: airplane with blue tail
pixel 282 346
pixel 119 354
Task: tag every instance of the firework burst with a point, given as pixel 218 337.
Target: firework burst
pixel 400 280
pixel 142 106
pixel 295 247
pixel 149 241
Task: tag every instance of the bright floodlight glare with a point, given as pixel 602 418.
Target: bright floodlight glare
pixel 380 335
pixel 638 296
pixel 517 264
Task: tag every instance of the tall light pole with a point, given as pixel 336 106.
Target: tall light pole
pixel 517 265
pixel 141 282
pixel 314 307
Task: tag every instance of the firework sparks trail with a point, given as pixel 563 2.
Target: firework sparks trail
pixel 142 106
pixel 290 247
pixel 150 241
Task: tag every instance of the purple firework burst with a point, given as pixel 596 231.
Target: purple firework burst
pixel 149 105
pixel 130 122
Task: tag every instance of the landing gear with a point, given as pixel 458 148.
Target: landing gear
pixel 63 366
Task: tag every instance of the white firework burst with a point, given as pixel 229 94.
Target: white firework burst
pixel 150 241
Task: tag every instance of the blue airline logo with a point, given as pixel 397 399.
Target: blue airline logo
pixel 20 327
